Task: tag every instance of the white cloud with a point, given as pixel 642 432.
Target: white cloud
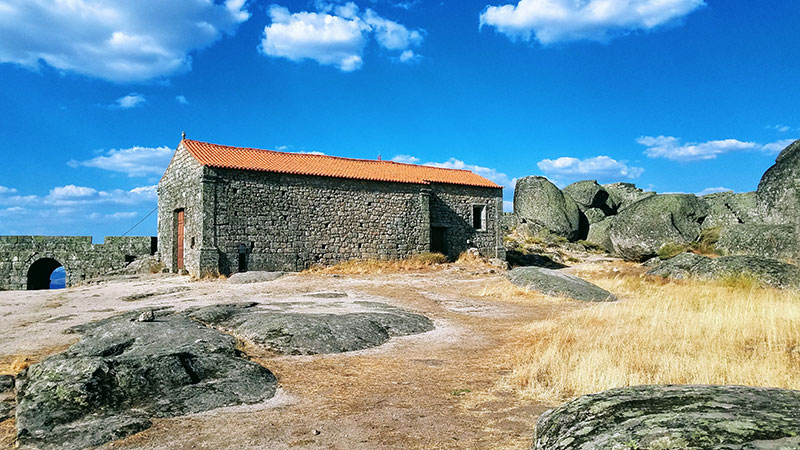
pixel 406 159
pixel 669 147
pixel 134 161
pixel 7 190
pixel 780 128
pixel 70 209
pixel 453 163
pixel 72 195
pixel 508 206
pixel 391 35
pixel 334 36
pixel 550 21
pixel 601 167
pixel 313 152
pixel 122 215
pixel 777 146
pixel 131 100
pixel 70 192
pixel 408 56
pixel 181 99
pixel 120 41
pixel 713 190
pixel 486 172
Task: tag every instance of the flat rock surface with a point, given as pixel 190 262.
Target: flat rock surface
pixel 557 283
pixel 766 270
pixel 292 332
pixel 124 372
pixel 254 277
pixel 430 390
pixel 674 417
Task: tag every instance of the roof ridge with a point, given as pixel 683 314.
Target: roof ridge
pixel 249 158
pixel 328 156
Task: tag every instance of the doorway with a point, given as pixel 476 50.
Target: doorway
pixel 179 226
pixel 439 240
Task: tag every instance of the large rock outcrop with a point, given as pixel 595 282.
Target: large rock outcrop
pixel 728 208
pixel 674 417
pixel 7 402
pixel 590 195
pixel 769 241
pixel 625 194
pixel 778 193
pixel 559 284
pixel 295 333
pixel 642 228
pixel 600 234
pixel 123 372
pixel 540 204
pixel 767 271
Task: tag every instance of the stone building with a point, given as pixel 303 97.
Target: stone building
pixel 228 209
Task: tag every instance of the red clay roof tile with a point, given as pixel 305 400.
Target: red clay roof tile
pixel 223 156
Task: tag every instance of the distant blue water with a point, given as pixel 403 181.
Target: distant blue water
pixel 58 279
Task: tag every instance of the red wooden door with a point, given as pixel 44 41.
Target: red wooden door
pixel 180 240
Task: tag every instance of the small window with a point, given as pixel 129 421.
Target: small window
pixel 479 217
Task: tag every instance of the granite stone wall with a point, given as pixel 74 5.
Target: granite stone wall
pixel 290 222
pixel 452 206
pixel 80 258
pixel 181 188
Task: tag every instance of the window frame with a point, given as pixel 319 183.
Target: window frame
pixel 483 216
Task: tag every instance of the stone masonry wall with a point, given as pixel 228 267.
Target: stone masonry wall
pixel 80 258
pixel 452 207
pixel 181 187
pixel 290 222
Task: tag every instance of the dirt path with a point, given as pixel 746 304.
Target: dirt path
pixel 434 390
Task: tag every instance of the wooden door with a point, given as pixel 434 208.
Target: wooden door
pixel 179 241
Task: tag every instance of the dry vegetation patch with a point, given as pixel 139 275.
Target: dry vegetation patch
pixel 416 263
pixel 16 363
pixel 683 332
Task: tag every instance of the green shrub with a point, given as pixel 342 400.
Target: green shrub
pixel 671 250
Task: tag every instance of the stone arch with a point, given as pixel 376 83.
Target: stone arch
pixel 39 273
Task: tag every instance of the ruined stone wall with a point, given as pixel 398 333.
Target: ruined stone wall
pixel 181 187
pixel 80 258
pixel 290 222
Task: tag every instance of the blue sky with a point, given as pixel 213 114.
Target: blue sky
pixel 673 95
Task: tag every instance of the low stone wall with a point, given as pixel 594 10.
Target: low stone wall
pixel 80 258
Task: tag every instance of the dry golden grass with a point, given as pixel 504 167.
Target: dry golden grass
pixel 416 263
pixel 729 332
pixel 503 290
pixel 213 275
pixel 14 364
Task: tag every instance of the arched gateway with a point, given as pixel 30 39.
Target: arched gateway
pixel 27 262
pixel 39 273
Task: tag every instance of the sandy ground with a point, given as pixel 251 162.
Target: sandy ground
pixel 434 390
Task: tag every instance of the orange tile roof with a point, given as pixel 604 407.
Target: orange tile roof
pixel 223 156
